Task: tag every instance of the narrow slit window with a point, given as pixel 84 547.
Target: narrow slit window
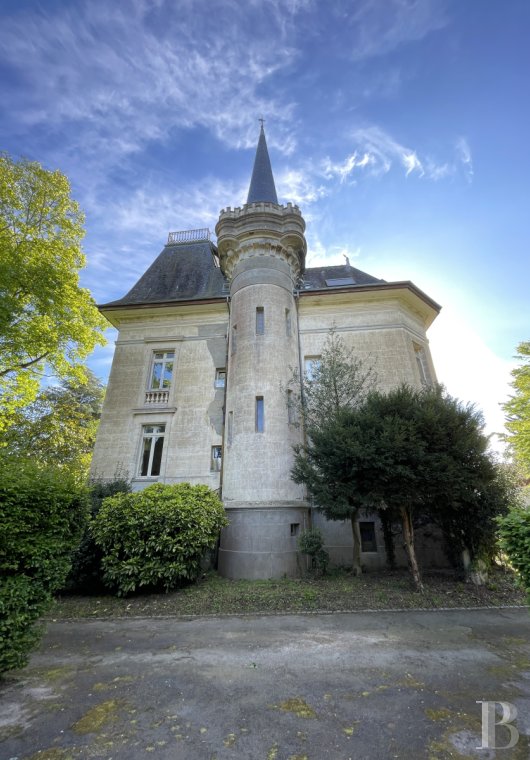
pixel 288 326
pixel 260 415
pixel 230 427
pixel 234 339
pixel 291 410
pixel 260 320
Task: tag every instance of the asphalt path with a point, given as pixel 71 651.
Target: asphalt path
pixel 290 687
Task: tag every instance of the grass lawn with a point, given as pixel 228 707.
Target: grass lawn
pixel 338 591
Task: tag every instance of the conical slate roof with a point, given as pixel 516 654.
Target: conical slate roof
pixel 262 186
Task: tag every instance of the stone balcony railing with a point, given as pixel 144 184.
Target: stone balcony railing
pixel 156 397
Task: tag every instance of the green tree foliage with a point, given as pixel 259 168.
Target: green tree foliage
pixel 59 428
pixel 46 319
pixel 411 453
pixel 312 544
pixel 158 536
pixel 514 540
pixel 86 575
pixel 339 381
pixel 42 513
pixel 518 410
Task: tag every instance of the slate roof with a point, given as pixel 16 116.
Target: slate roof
pixel 188 272
pixel 262 187
pixel 182 272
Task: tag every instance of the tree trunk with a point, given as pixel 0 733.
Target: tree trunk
pixel 408 537
pixel 356 536
pixel 386 522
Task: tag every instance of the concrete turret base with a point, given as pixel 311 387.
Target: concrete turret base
pixel 261 541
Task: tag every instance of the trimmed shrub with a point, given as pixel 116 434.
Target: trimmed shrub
pixel 514 540
pixel 42 514
pixel 312 544
pixel 156 537
pixel 86 575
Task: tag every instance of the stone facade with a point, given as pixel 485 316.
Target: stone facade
pixel 208 340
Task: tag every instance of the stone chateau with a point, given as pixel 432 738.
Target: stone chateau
pixel 208 339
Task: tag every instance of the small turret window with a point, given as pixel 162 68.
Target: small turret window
pixel 288 327
pixel 260 415
pixel 260 320
pixel 234 339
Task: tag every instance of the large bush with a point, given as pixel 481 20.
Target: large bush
pixel 42 514
pixel 86 575
pixel 156 537
pixel 514 540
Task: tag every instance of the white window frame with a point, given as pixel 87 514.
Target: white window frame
pixel 151 432
pixel 310 364
pixel 167 356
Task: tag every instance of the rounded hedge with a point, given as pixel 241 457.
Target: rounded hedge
pixel 42 515
pixel 156 537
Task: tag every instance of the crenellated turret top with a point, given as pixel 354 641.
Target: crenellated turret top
pixel 262 187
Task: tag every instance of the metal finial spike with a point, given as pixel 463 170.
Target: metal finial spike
pixel 261 121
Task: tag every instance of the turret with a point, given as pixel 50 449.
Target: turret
pixel 262 254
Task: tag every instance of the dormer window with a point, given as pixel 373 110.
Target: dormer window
pixel 337 282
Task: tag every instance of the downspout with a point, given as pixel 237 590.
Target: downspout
pixel 224 402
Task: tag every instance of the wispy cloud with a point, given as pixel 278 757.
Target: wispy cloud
pixel 128 73
pixel 377 152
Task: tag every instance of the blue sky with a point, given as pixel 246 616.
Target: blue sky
pixel 400 127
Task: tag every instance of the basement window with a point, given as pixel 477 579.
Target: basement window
pixel 368 541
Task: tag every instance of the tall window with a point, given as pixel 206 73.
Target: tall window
pixel 423 366
pixel 311 365
pixel 260 415
pixel 162 370
pixel 260 320
pixel 152 445
pixel 288 322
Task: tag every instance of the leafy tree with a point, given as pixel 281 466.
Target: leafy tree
pixel 514 539
pixel 46 319
pixel 60 426
pixel 518 410
pixel 339 381
pixel 410 453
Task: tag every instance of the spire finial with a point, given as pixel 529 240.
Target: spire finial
pixel 262 186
